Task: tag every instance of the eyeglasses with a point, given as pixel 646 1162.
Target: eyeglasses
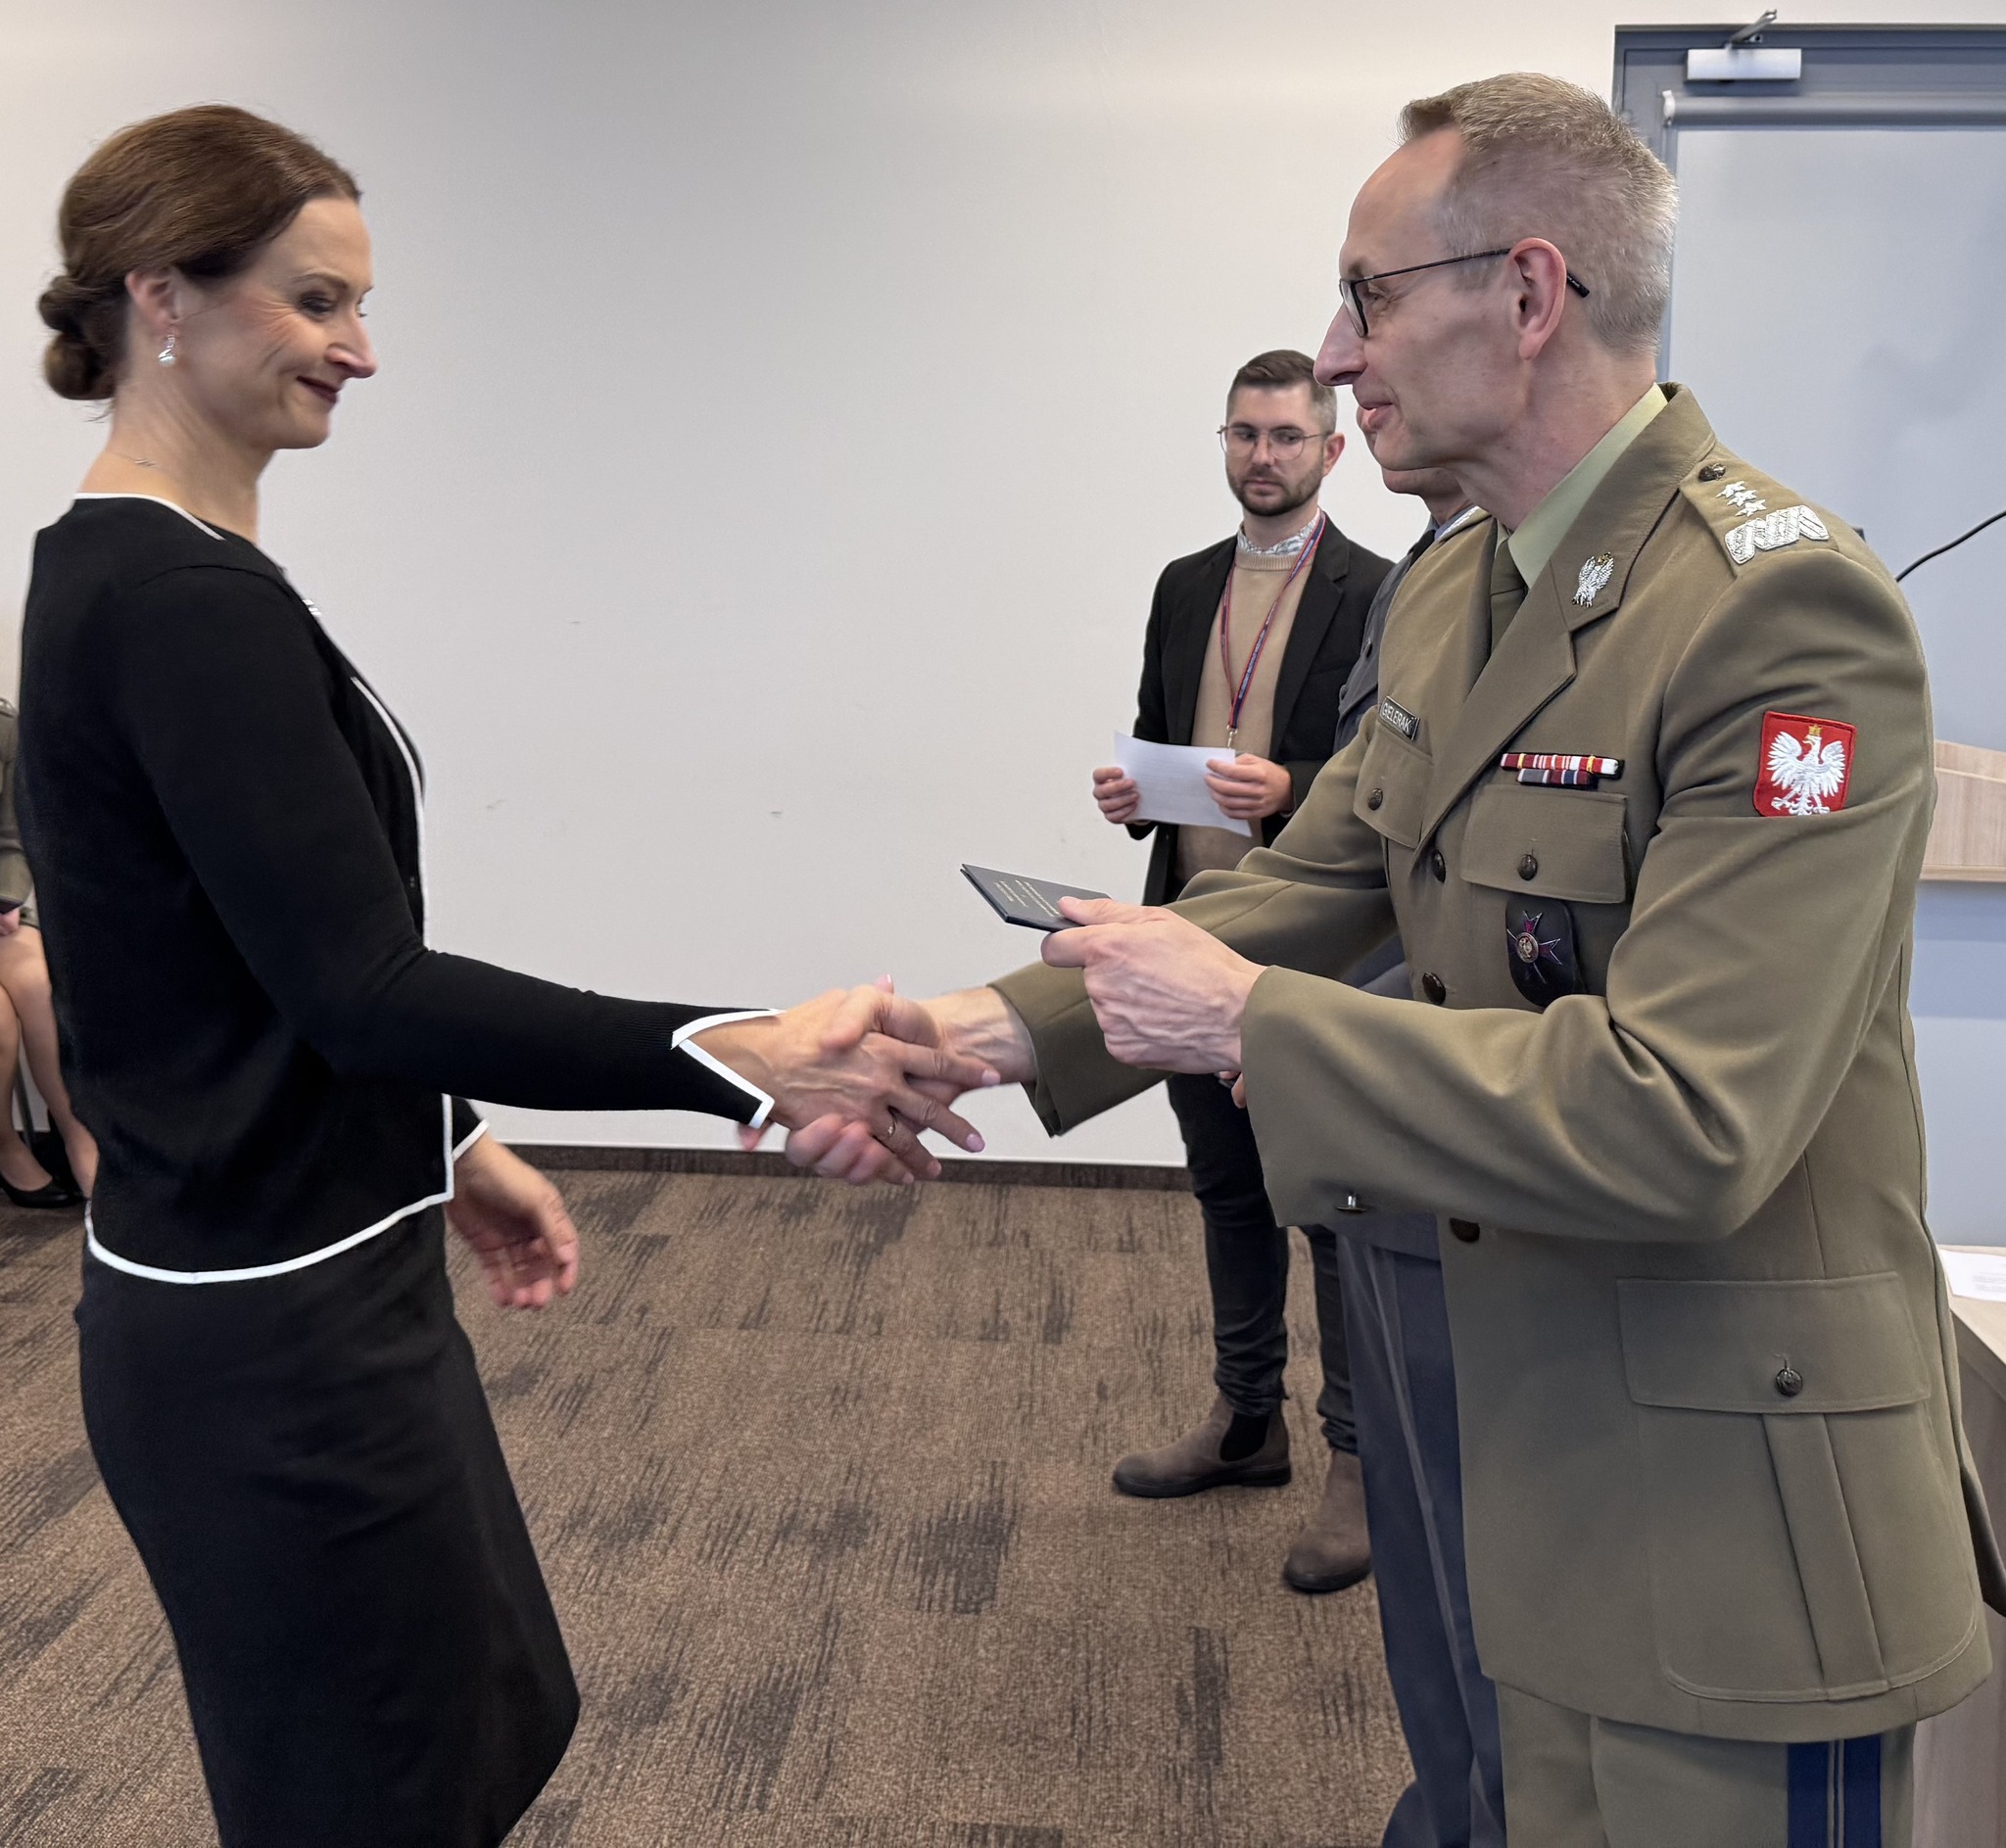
pixel 1350 289
pixel 1243 438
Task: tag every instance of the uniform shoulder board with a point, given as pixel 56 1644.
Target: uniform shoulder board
pixel 1751 512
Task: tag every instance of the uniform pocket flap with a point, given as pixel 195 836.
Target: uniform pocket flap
pixel 1824 1344
pixel 1561 843
pixel 1392 786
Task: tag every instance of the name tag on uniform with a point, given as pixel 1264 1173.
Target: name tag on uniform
pixel 1398 719
pixel 1565 769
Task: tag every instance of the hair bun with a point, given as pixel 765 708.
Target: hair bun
pixel 71 363
pixel 62 304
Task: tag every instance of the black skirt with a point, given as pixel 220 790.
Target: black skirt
pixel 307 1467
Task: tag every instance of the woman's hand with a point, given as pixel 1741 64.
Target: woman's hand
pixel 516 1221
pixel 865 1059
pixel 974 1024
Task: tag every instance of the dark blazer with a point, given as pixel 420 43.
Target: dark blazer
pixel 1330 622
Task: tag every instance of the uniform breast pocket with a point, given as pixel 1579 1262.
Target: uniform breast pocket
pixel 1392 787
pixel 1559 843
pixel 1805 1528
pixel 1548 849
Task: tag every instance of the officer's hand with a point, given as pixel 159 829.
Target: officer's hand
pixel 1249 787
pixel 1116 791
pixel 1169 996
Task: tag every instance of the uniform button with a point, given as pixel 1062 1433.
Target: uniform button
pixel 1373 800
pixel 1465 1230
pixel 1351 1203
pixel 1790 1382
pixel 1439 865
pixel 1434 987
pixel 1714 471
pixel 1529 866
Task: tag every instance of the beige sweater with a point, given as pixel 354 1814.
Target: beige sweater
pixel 1257 579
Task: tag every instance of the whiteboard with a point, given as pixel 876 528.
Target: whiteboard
pixel 1836 308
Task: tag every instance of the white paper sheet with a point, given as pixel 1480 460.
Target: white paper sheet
pixel 1981 1275
pixel 1172 780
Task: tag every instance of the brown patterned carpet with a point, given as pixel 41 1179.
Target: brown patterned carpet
pixel 820 1481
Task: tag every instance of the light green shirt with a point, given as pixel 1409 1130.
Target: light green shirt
pixel 1541 532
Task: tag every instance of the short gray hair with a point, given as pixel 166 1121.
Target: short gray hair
pixel 1550 160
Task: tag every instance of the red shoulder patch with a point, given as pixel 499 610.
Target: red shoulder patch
pixel 1804 767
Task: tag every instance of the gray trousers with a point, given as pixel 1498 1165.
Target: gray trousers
pixel 1572 1780
pixel 1403 1389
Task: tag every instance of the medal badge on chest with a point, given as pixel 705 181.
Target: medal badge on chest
pixel 1539 938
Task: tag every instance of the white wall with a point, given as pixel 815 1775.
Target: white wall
pixel 786 410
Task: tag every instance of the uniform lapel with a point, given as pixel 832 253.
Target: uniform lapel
pixel 1314 613
pixel 1184 645
pixel 1535 659
pixel 1531 664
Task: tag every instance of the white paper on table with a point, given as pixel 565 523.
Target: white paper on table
pixel 1981 1275
pixel 1171 780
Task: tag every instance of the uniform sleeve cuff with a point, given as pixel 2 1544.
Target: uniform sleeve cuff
pixel 678 1042
pixel 468 1140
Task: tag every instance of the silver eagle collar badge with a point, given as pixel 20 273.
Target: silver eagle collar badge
pixel 1595 578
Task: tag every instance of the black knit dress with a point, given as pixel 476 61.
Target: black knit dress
pixel 225 828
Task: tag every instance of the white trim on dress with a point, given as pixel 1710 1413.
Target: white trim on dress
pixel 682 1034
pixel 158 501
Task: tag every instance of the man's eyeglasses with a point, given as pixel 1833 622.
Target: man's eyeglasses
pixel 1352 290
pixel 1286 443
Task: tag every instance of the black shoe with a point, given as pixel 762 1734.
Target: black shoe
pixel 49 1194
pixel 47 1148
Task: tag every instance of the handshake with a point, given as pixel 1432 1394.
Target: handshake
pixel 857 1075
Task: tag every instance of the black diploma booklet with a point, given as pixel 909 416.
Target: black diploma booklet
pixel 1021 901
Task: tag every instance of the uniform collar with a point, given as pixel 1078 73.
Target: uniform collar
pixel 1535 659
pixel 1541 532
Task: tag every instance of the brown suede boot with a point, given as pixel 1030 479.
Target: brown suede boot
pixel 1193 1464
pixel 1332 1551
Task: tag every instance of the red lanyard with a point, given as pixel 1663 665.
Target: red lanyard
pixel 1226 631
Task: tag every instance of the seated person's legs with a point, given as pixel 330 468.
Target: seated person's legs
pixel 24 981
pixel 26 1182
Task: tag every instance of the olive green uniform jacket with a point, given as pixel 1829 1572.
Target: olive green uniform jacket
pixel 16 885
pixel 1714 1474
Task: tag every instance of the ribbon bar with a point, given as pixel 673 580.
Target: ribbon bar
pixel 1558 760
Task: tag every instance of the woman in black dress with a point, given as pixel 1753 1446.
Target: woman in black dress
pixel 225 825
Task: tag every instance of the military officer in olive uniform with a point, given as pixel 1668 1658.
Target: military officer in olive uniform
pixel 1646 797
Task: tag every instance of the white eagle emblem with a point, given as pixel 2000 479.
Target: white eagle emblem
pixel 1594 579
pixel 1806 772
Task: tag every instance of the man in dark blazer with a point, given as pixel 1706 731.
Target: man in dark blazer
pixel 1247 648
